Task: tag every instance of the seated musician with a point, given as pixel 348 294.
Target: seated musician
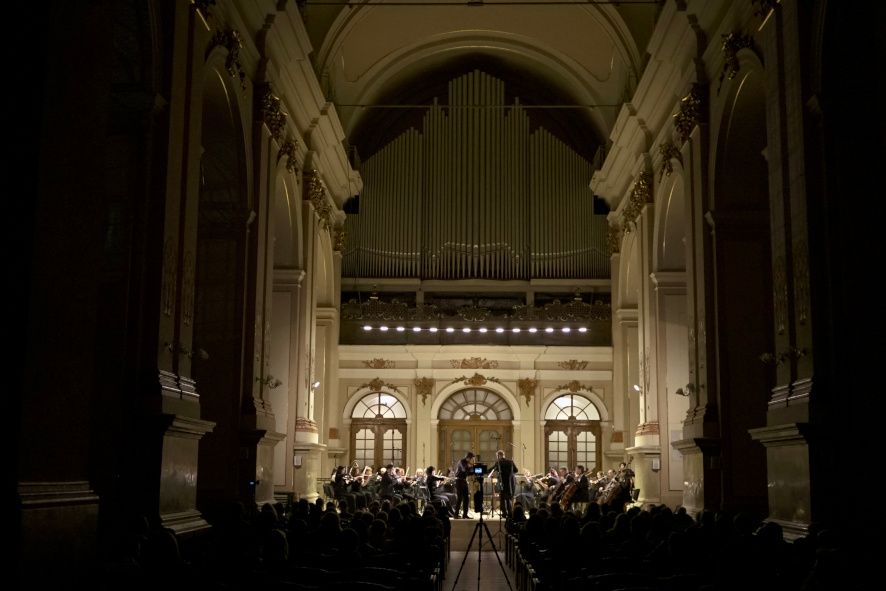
pixel 526 492
pixel 436 491
pixel 564 479
pixel 581 493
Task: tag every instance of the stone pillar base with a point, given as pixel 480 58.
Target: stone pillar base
pixel 647 467
pixel 307 475
pixel 787 470
pixel 59 523
pixel 701 473
pixel 186 523
pixel 257 453
pixel 177 503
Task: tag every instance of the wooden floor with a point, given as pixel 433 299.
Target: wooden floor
pixel 481 556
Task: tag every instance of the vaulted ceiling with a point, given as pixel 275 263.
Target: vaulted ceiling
pixel 564 53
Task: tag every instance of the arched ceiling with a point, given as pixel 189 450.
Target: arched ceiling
pixel 372 52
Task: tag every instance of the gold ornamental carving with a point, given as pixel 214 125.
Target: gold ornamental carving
pixel 377 384
pixel 379 363
pixel 527 387
pixel 474 363
pixel 317 196
pixel 732 44
pixel 613 239
pixel 574 386
pixel 573 365
pixel 689 113
pixel 339 238
pixel 424 387
pixel 475 380
pixel 288 149
pixel 641 195
pixel 231 41
pixel 270 111
pixel 669 152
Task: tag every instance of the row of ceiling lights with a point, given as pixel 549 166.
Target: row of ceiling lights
pixel 550 329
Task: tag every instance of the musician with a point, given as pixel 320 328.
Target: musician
pixel 462 471
pixel 386 489
pixel 526 495
pixel 339 483
pixel 507 471
pixel 582 492
pixel 564 479
pixel 437 493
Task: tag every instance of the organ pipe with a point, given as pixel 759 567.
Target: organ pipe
pixel 475 194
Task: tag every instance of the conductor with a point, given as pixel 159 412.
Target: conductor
pixel 507 471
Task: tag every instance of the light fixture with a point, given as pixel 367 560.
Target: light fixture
pixel 515 330
pixel 383 328
pixel 416 329
pixel 549 329
pixel 433 329
pixel 533 330
pixel 499 330
pixel 450 329
pixel 466 329
pixel 636 387
pixel 315 385
pixel 401 328
pixel 484 329
pixel 367 328
pixel 583 329
pixel 566 329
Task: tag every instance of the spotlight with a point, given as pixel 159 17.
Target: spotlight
pixel 383 328
pixel 433 329
pixel 533 330
pixel 450 329
pixel 401 328
pixel 367 328
pixel 482 329
pixel 416 329
pixel 315 385
pixel 636 387
pixel 499 329
pixel 515 330
pixel 549 329
pixel 583 329
pixel 566 329
pixel 466 329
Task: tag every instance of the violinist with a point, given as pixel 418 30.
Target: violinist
pixel 339 483
pixel 436 492
pixel 584 485
pixel 462 471
pixel 564 479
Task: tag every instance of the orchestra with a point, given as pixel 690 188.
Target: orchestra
pixel 570 489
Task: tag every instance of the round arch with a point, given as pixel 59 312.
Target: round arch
pixel 591 395
pixel 671 224
pixel 508 396
pixel 360 393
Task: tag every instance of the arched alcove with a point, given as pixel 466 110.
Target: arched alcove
pixel 473 419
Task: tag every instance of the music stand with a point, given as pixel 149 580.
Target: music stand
pixel 479 527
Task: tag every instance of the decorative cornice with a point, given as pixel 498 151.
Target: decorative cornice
pixel 475 380
pixel 424 387
pixel 231 41
pixel 269 111
pixel 573 365
pixel 689 113
pixel 574 386
pixel 650 428
pixel 379 363
pixel 527 387
pixel 613 239
pixel 377 384
pixel 640 196
pixel 732 44
pixel 288 149
pixel 474 363
pixel 669 151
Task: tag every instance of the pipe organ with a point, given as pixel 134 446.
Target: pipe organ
pixel 476 194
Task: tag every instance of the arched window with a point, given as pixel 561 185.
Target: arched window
pixel 572 433
pixel 473 419
pixel 378 430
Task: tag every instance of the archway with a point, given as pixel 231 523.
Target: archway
pixel 572 433
pixel 473 419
